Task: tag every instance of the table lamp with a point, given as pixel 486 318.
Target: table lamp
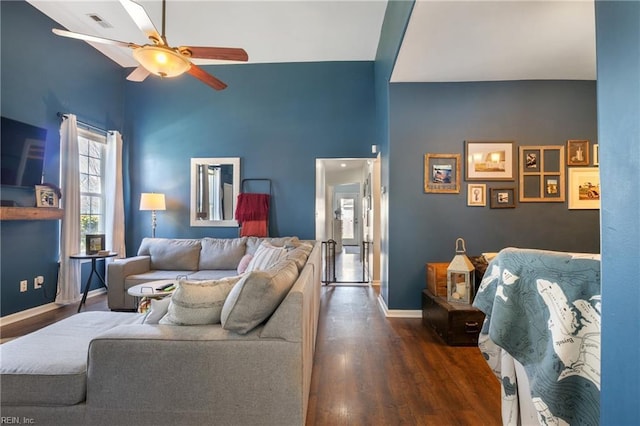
pixel 153 202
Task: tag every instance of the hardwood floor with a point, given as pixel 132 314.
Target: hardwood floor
pixel 372 370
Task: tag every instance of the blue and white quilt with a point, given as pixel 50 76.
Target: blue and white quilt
pixel 543 309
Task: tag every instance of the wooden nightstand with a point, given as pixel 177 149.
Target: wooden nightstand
pixel 458 324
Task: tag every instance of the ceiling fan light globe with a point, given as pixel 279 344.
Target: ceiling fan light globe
pixel 162 61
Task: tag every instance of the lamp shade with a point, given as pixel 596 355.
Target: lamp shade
pixel 152 201
pixel 162 61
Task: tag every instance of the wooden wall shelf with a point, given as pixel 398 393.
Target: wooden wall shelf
pixel 30 213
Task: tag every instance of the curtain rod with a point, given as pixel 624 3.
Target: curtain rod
pixel 82 123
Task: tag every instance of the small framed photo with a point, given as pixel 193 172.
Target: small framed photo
pixel 596 156
pixel 94 243
pixel 442 173
pixel 577 153
pixel 503 198
pixel 584 188
pixel 46 197
pixel 476 194
pixel 489 161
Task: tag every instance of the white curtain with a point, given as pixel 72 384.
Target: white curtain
pixel 114 209
pixel 69 275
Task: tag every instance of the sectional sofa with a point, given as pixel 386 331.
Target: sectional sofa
pixel 168 258
pixel 118 368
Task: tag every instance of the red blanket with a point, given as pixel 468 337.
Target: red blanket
pixel 252 206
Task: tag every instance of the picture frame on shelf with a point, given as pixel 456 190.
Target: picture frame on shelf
pixel 542 174
pixel 476 194
pixel 489 160
pixel 584 188
pixel 46 196
pixel 577 153
pixel 94 243
pixel 442 173
pixel 503 198
pixel 596 155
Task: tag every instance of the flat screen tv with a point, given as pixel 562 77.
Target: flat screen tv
pixel 22 150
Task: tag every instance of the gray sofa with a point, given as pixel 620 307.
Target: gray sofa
pixel 108 368
pixel 167 258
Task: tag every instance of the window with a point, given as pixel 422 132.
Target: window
pixel 91 147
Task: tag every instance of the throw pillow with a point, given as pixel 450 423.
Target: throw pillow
pixel 198 302
pixel 244 263
pixel 158 309
pixel 265 257
pixel 221 253
pixel 171 254
pixel 256 296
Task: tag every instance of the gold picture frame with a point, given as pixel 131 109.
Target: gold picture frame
pixel 476 194
pixel 442 173
pixel 542 176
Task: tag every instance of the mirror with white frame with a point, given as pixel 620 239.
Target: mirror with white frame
pixel 215 185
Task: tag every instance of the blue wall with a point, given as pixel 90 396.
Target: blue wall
pixel 393 28
pixel 618 47
pixel 277 117
pixel 438 118
pixel 55 75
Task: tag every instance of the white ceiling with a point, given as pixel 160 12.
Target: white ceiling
pixel 446 40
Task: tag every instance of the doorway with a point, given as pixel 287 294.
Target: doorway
pixel 346 213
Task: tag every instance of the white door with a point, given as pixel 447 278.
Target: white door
pixel 347 203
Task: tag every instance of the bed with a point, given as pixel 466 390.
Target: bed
pixel 541 335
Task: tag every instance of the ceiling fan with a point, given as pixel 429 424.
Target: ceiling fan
pixel 158 57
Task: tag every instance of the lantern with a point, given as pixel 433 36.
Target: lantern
pixel 460 276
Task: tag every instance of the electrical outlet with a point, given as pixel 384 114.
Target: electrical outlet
pixel 23 286
pixel 38 281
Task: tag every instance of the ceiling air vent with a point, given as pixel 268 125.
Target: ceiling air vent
pixel 99 20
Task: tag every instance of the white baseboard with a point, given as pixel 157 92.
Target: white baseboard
pixel 28 313
pixel 398 313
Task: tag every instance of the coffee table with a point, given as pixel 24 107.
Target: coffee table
pixel 149 290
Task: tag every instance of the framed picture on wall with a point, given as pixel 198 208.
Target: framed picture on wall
pixel 442 173
pixel 476 194
pixel 596 155
pixel 489 160
pixel 503 198
pixel 542 174
pixel 577 153
pixel 584 188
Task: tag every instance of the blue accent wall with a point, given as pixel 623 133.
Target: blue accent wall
pixel 278 118
pixel 438 118
pixel 394 26
pixel 618 47
pixel 43 74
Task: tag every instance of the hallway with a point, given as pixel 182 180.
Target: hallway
pixel 349 267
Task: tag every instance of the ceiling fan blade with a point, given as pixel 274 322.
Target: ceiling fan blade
pixel 206 78
pixel 225 53
pixel 139 74
pixel 91 38
pixel 142 20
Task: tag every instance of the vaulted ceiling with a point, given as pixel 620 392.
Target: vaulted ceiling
pixel 446 40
